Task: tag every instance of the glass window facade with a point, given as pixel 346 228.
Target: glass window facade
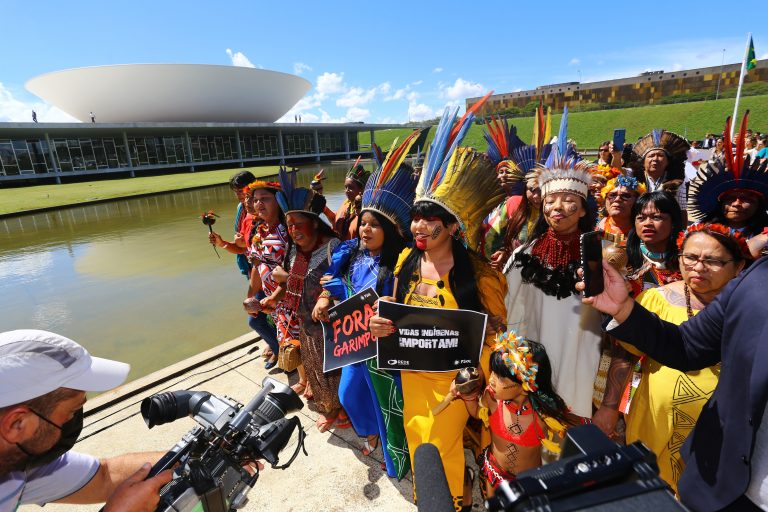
pixel 73 154
pixel 299 143
pixel 262 145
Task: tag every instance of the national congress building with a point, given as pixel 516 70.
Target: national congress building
pixel 141 118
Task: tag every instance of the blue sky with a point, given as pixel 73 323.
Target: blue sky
pixel 374 61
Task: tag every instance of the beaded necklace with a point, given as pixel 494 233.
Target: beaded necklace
pixel 688 307
pixel 557 251
pixel 658 256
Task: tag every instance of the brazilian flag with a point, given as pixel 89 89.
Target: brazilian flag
pixel 751 60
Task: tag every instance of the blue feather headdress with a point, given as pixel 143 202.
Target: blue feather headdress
pixel 391 190
pixel 563 170
pixel 296 199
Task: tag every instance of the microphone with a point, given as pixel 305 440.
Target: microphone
pixel 432 492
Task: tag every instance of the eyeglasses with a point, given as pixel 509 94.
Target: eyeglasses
pixel 626 196
pixel 690 260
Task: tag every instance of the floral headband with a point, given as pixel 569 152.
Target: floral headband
pixel 717 228
pixel 629 182
pixel 516 354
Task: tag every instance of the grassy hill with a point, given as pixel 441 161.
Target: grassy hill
pixel 589 129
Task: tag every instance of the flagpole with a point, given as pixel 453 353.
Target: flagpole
pixel 741 82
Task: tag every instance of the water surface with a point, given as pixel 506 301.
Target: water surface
pixel 134 279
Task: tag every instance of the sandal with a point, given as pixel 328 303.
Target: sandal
pixel 369 448
pixel 270 363
pixel 299 387
pixel 267 353
pixel 324 423
pixel 342 420
pixel 308 393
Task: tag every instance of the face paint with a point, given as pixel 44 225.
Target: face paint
pixel 421 244
pixel 436 232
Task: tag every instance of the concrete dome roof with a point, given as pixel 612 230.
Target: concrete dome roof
pixel 129 93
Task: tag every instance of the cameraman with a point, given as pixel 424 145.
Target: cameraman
pixel 43 380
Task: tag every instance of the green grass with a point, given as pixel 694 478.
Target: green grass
pixel 20 199
pixel 589 129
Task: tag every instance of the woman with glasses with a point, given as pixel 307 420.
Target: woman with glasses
pixel 667 402
pixel 651 248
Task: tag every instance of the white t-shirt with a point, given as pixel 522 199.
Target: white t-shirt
pixel 45 484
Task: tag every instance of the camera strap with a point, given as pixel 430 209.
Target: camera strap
pixel 299 446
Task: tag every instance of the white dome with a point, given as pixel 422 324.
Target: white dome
pixel 129 93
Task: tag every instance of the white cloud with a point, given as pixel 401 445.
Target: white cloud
pixel 676 67
pixel 417 82
pixel 763 56
pixel 15 110
pixel 462 89
pixel 239 59
pixel 330 83
pixel 420 112
pixel 385 88
pixel 355 96
pixel 437 70
pixel 355 114
pixel 412 96
pixel 574 61
pixel 300 67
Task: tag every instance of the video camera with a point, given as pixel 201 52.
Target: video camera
pixel 594 473
pixel 211 456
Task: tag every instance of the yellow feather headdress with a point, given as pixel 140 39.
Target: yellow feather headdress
pixel 461 180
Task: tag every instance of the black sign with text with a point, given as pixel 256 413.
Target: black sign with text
pixel 347 338
pixel 431 339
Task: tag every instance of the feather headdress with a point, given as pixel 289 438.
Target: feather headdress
pixel 671 143
pixel 390 190
pixel 358 173
pixel 296 199
pixel 734 172
pixel 510 154
pixel 563 170
pixel 461 180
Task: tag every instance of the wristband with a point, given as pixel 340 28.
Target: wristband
pixel 325 294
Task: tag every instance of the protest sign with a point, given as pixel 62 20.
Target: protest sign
pixel 430 339
pixel 347 339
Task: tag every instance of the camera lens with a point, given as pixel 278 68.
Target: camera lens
pixel 165 407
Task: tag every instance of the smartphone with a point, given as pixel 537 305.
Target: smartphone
pixel 619 136
pixel 592 262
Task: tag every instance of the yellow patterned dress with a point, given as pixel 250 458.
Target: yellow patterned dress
pixel 667 402
pixel 424 390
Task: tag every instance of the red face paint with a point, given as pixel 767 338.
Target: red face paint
pixel 421 243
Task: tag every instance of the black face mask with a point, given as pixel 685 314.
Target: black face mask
pixel 70 431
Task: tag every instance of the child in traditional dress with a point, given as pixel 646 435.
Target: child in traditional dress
pixel 520 407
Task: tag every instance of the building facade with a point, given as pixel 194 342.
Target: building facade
pixel 648 88
pixel 32 151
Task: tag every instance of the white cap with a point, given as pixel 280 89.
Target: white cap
pixel 34 363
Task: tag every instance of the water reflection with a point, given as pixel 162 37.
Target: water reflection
pixel 133 279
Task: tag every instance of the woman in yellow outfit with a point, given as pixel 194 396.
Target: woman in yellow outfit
pixel 457 189
pixel 668 402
